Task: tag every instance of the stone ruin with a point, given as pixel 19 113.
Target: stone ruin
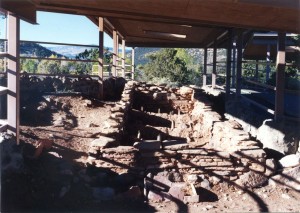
pixel 87 86
pixel 175 140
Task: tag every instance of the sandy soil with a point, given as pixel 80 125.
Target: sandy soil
pixel 54 181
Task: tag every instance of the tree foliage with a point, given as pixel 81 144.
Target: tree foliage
pixel 170 64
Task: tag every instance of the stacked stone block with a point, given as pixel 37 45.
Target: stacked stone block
pixel 173 154
pixel 163 99
pixel 105 151
pixel 119 159
pixel 228 136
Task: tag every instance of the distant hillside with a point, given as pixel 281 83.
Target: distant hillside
pixel 68 51
pixel 33 49
pixel 73 51
pixel 141 53
pixel 197 54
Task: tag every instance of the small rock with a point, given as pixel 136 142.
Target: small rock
pixel 285 196
pixel 185 91
pixel 214 180
pixel 270 167
pixel 209 207
pixel 191 199
pixel 55 154
pixel 193 178
pixel 103 142
pixel 290 160
pixel 177 193
pixel 59 122
pixel 155 196
pixel 175 177
pixel 240 192
pixel 87 103
pixel 205 184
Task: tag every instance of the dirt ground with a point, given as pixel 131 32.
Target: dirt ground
pixel 59 179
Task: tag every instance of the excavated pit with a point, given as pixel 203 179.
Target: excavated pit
pixel 155 143
pixel 160 132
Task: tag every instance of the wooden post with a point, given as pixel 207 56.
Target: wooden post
pixel 280 72
pixel 268 69
pixel 239 65
pixel 256 71
pixel 123 58
pixel 233 79
pixel 132 64
pixel 13 76
pixel 205 67
pixel 100 59
pixel 214 71
pixel 228 64
pixel 117 57
pixel 115 52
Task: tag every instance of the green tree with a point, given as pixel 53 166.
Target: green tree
pixel 92 54
pixel 49 66
pixel 166 64
pixel 29 65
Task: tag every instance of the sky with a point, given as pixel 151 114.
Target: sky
pixel 61 28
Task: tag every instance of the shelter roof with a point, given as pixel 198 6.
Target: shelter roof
pixel 172 23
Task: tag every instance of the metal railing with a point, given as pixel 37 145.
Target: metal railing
pixel 106 74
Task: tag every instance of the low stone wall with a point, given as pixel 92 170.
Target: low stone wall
pixel 200 141
pixel 161 99
pixel 88 86
pixel 42 84
pixel 106 151
pixel 282 137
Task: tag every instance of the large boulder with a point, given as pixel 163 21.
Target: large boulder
pixel 252 180
pixel 280 136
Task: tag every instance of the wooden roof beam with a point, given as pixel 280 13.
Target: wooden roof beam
pixel 25 9
pixel 290 14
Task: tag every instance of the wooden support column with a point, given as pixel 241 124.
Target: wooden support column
pixel 256 71
pixel 101 53
pixel 204 67
pixel 233 79
pixel 117 56
pixel 228 64
pixel 214 71
pixel 13 76
pixel 280 74
pixel 268 59
pixel 123 58
pixel 239 65
pixel 115 52
pixel 132 64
